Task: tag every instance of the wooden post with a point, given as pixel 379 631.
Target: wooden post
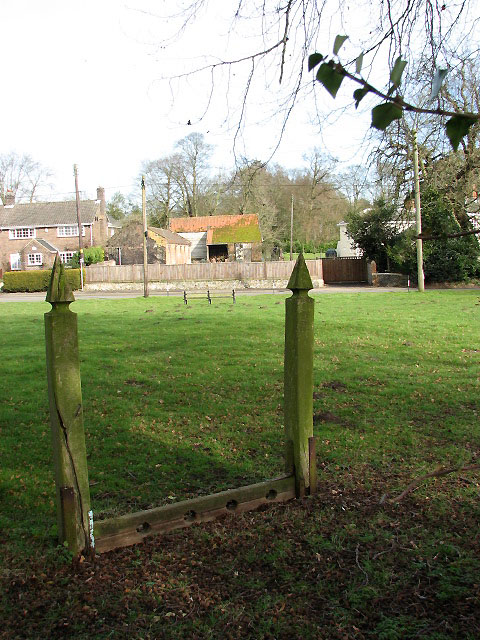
pixel 66 417
pixel 298 376
pixel 79 222
pixel 145 236
pixel 291 231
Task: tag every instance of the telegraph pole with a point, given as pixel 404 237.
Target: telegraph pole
pixel 145 234
pixel 79 222
pixel 418 216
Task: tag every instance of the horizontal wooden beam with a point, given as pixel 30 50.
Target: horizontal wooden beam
pixel 134 527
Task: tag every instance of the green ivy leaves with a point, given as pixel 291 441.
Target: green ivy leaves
pixel 313 60
pixel 337 45
pixel 385 114
pixel 457 127
pixel 330 79
pixel 397 71
pixel 358 95
pixel 438 79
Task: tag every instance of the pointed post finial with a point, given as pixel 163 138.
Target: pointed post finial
pixel 300 279
pixel 59 290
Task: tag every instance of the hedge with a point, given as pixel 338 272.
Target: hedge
pixel 38 280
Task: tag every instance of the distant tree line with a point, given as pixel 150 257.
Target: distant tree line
pixel 182 184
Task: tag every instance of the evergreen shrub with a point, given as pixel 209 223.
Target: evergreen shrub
pixel 91 255
pixel 36 280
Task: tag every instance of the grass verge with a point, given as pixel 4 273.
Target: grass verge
pixel 181 401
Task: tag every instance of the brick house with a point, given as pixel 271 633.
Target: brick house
pixel 221 238
pixel 32 234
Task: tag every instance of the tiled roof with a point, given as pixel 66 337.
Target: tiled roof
pixel 242 229
pixel 47 245
pixel 170 236
pixel 203 223
pixel 45 214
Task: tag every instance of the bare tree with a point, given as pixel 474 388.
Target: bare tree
pixel 163 192
pixel 179 184
pixel 23 176
pixel 192 171
pixel 319 204
pixel 284 35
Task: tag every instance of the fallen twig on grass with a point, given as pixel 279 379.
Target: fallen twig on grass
pixel 434 474
pixel 357 553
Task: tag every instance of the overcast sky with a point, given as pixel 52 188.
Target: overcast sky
pixel 84 82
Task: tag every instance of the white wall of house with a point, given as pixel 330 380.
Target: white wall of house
pixel 198 244
pixel 345 246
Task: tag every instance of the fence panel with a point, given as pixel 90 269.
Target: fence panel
pixel 206 271
pixel 344 270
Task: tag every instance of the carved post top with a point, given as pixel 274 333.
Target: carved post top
pixel 300 279
pixel 59 290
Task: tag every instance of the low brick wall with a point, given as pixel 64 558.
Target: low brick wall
pixel 196 285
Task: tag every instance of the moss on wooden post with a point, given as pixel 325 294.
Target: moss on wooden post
pixel 298 375
pixel 66 416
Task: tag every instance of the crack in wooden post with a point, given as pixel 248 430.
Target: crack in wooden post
pixel 298 376
pixel 66 416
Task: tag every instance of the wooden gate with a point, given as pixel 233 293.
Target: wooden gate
pixel 344 270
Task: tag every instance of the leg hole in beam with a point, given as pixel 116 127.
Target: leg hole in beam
pixel 190 516
pixel 232 505
pixel 271 495
pixel 143 527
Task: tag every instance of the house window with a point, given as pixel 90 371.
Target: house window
pixel 25 232
pixel 66 256
pixel 15 264
pixel 35 259
pixel 69 231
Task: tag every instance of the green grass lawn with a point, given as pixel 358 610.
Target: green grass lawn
pixel 184 401
pixel 307 256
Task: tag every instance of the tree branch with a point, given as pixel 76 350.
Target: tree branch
pixel 224 63
pixel 472 232
pixel 398 100
pixel 434 474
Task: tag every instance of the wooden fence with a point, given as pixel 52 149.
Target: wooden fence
pixel 344 270
pixel 207 271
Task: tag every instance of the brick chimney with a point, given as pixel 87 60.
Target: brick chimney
pixel 101 197
pixel 9 198
pixel 100 228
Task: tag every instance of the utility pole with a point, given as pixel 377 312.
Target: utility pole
pixel 418 216
pixel 79 222
pixel 145 235
pixel 291 231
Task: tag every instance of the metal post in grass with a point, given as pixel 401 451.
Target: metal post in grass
pixel 298 379
pixel 66 416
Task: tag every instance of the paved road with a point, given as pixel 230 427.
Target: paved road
pixel 104 295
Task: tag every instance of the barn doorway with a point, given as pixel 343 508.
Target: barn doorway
pixel 217 252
